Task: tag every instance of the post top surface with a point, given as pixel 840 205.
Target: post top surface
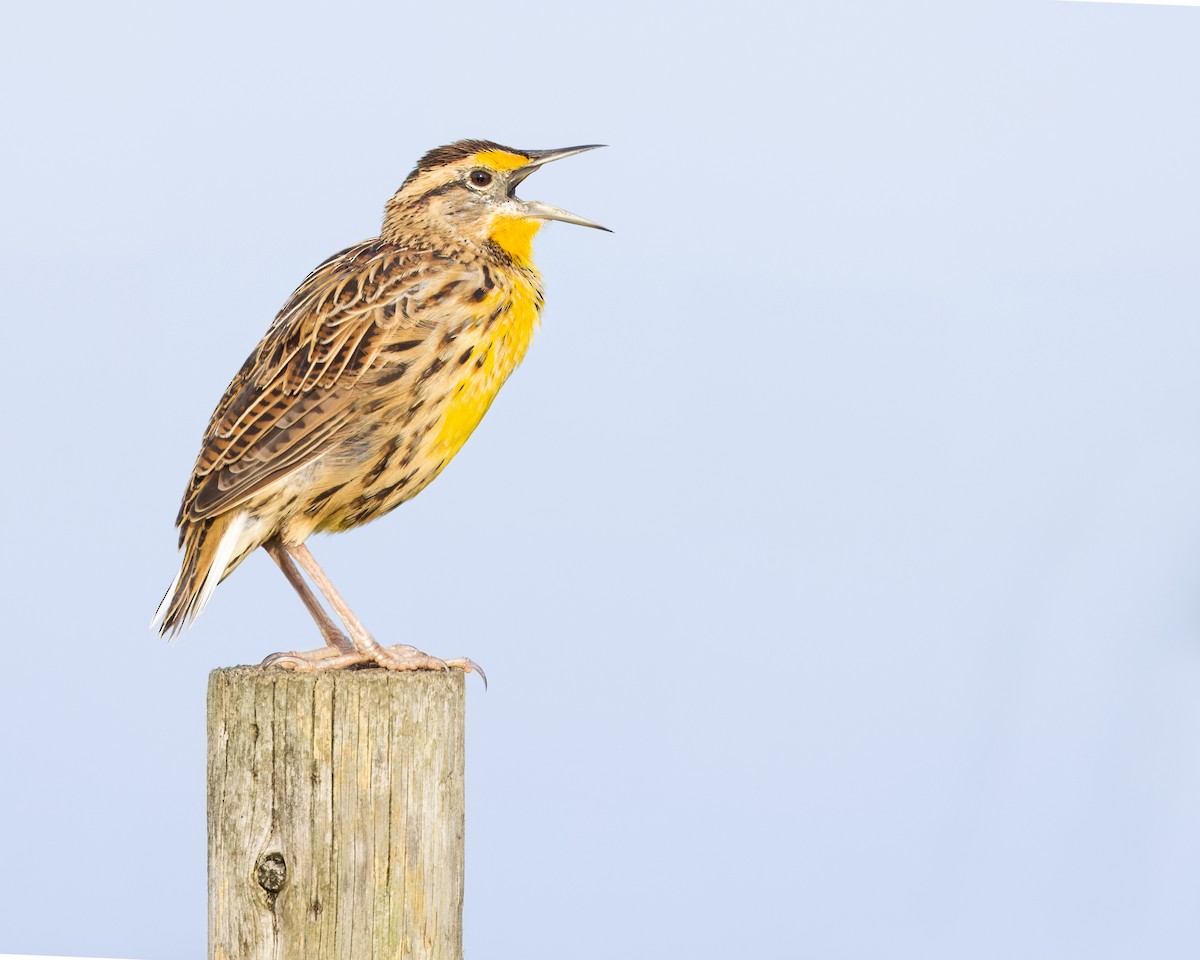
pixel 361 675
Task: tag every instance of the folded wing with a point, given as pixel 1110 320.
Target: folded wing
pixel 287 403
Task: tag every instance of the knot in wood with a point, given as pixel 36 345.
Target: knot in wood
pixel 272 872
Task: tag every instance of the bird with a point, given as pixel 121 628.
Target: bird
pixel 367 383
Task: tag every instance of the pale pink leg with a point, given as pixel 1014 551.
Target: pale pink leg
pixel 339 652
pixel 363 648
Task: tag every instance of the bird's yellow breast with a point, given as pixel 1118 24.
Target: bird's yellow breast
pixel 500 348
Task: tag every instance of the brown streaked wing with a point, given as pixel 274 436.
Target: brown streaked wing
pixel 294 392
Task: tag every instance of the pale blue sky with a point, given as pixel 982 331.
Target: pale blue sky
pixel 834 557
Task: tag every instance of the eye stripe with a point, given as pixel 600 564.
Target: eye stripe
pixel 444 188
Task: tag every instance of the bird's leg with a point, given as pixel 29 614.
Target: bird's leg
pixel 333 636
pixel 338 647
pixel 367 648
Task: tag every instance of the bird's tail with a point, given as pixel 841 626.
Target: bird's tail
pixel 211 549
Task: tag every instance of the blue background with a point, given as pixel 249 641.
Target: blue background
pixel 834 556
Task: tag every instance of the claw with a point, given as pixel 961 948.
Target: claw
pixel 468 666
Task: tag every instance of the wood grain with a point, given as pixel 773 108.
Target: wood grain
pixel 335 815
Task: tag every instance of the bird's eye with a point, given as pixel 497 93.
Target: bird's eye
pixel 481 178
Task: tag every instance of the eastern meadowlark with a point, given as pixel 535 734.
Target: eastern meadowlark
pixel 366 385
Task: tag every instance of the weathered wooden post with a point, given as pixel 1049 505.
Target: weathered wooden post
pixel 335 815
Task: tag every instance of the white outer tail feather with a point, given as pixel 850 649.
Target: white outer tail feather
pixel 227 549
pixel 231 546
pixel 161 613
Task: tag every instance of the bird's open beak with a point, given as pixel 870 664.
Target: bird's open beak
pixel 543 211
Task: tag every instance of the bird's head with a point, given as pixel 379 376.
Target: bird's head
pixel 467 189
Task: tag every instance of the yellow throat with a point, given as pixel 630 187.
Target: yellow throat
pixel 514 235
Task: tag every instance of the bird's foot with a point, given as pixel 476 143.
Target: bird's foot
pixel 312 661
pixel 405 657
pixel 400 657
